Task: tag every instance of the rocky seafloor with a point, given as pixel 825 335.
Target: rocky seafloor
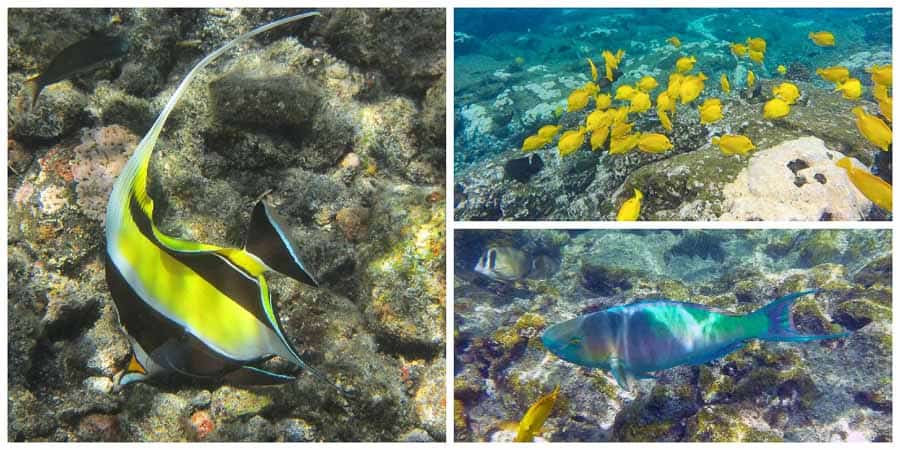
pixel 825 391
pixel 341 116
pixel 511 82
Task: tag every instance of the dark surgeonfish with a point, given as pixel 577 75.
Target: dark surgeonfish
pixel 509 264
pixel 82 56
pixel 191 308
pixel 630 341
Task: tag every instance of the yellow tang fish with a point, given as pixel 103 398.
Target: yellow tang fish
pixel 664 102
pixel 822 38
pixel 534 142
pixel 781 69
pixel 757 44
pixel 776 109
pixel 647 84
pixel 590 87
pixel 871 186
pixel 733 144
pixel 612 62
pixel 835 74
pixel 851 89
pixel 664 119
pixel 620 129
pixel 625 144
pixel 548 131
pixel 535 417
pixel 756 56
pixel 602 101
pixel 885 103
pixel 577 100
pixel 788 92
pixel 873 128
pixel 710 111
pixel 625 92
pixel 631 209
pixel 594 73
pixel 654 143
pixel 597 119
pixel 751 79
pixel 685 64
pixel 881 75
pixel 598 137
pixel 640 102
pixel 691 88
pixel 726 86
pixel 674 86
pixel 674 41
pixel 621 115
pixel 738 49
pixel 571 141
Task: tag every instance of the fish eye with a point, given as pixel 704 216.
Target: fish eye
pixel 575 341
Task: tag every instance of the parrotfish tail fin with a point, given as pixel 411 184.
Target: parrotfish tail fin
pixel 253 376
pixel 268 239
pixel 33 86
pixel 778 314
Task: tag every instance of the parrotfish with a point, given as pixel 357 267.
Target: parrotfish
pixel 82 56
pixel 192 308
pixel 633 340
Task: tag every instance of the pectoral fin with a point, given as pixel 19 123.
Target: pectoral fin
pixel 620 373
pixel 269 241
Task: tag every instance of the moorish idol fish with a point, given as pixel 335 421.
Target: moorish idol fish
pixel 635 339
pixel 191 308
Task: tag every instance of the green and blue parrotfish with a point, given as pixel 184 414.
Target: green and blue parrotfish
pixel 82 56
pixel 630 341
pixel 191 308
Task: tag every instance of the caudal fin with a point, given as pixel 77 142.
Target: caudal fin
pixel 778 314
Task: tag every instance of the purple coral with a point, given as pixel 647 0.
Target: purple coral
pixel 98 160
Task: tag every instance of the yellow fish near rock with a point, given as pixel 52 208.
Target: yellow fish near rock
pixel 757 57
pixel 757 44
pixel 873 129
pixel 738 49
pixel 674 41
pixel 691 87
pixel 612 62
pixel 594 73
pixel 776 109
pixel 675 80
pixel 781 69
pixel 534 142
pixel 647 84
pixel 598 118
pixel 726 86
pixel 685 64
pixel 577 100
pixel 822 38
pixel 851 89
pixel 834 74
pixel 631 209
pixel 881 75
pixel 535 417
pixel 654 143
pixel 602 101
pixel 733 144
pixel 872 187
pixel 710 111
pixel 624 144
pixel 640 102
pixel 751 79
pixel 885 103
pixel 625 92
pixel 664 119
pixel 571 141
pixel 664 102
pixel 548 131
pixel 620 129
pixel 788 92
pixel 598 137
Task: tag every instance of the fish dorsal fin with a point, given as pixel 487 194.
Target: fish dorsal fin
pixel 269 240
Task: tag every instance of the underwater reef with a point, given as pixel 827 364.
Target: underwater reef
pixel 340 118
pixel 837 390
pixel 511 81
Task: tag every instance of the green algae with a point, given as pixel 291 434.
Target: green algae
pixel 721 423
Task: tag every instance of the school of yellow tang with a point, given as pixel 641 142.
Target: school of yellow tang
pixel 608 125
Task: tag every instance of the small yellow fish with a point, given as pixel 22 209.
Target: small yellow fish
pixel 664 102
pixel 674 86
pixel 664 119
pixel 776 109
pixel 571 141
pixel 873 128
pixel 598 119
pixel 640 102
pixel 647 84
pixel 621 115
pixel 594 73
pixel 733 144
pixel 548 131
pixel 654 143
pixel 621 129
pixel 851 89
pixel 757 44
pixel 885 103
pixel 603 101
pixel 691 88
pixel 625 92
pixel 788 92
pixel 835 74
pixel 577 100
pixel 781 69
pixel 881 75
pixel 738 49
pixel 756 56
pixel 612 62
pixel 535 417
pixel 674 41
pixel 685 64
pixel 751 79
pixel 590 87
pixel 631 209
pixel 533 142
pixel 598 137
pixel 726 86
pixel 625 144
pixel 822 38
pixel 710 111
pixel 872 187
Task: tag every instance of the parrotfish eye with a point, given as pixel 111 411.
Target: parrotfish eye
pixel 575 341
